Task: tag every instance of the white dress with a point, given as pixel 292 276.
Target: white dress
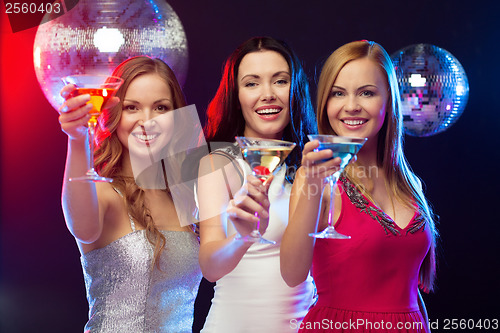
pixel 254 297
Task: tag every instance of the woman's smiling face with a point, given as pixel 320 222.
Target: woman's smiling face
pixel 264 93
pixel 146 124
pixel 358 99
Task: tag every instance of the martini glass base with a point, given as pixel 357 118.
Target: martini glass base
pixel 91 176
pixel 329 233
pixel 255 237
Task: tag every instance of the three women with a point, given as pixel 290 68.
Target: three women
pixel 372 277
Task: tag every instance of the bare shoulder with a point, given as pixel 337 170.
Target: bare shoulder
pixel 220 163
pixel 113 207
pixel 220 177
pixel 107 195
pixel 113 216
pixel 216 161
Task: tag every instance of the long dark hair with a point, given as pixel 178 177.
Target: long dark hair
pixel 225 118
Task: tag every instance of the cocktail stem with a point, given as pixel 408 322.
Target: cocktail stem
pixel 332 180
pixel 91 130
pixel 263 180
pixel 256 231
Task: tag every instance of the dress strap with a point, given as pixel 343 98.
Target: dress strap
pixel 231 153
pixel 132 224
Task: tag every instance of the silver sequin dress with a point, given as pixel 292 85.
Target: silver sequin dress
pixel 126 295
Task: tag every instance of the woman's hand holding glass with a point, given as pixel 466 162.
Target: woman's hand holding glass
pixel 318 165
pixel 101 89
pixel 250 206
pixel 74 112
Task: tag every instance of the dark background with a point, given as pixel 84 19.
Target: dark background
pixel 41 283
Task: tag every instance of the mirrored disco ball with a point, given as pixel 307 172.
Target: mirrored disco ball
pixel 433 86
pixel 97 35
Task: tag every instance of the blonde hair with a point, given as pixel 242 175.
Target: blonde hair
pixel 403 184
pixel 109 150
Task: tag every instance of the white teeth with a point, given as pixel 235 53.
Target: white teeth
pixel 145 137
pixel 268 111
pixel 354 122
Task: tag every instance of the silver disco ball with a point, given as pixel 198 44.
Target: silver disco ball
pixel 97 35
pixel 433 86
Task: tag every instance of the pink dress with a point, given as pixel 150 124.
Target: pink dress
pixel 368 283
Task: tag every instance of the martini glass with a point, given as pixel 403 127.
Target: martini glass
pixel 264 157
pixel 345 148
pixel 100 88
